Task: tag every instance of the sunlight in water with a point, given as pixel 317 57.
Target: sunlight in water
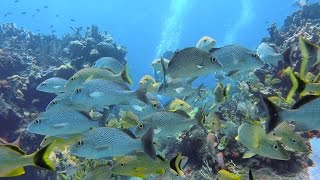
pixel 245 17
pixel 171 30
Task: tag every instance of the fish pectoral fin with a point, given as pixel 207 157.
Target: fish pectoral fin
pixel 102 147
pixel 248 154
pixel 179 90
pixel 231 73
pixel 60 125
pixel 56 87
pixel 157 131
pixel 139 169
pixel 137 108
pixel 96 94
pixel 199 66
pixel 16 172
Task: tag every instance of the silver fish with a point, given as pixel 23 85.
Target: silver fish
pixel 57 122
pixel 168 123
pixel 305 113
pixel 52 85
pixel 110 64
pixel 192 62
pixel 235 58
pixel 104 142
pixel 99 93
pixel 269 55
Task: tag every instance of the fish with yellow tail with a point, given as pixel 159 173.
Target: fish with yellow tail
pixel 288 138
pixel 105 142
pixel 304 113
pixel 13 159
pixel 310 57
pixel 254 138
pixel 91 73
pixel 142 166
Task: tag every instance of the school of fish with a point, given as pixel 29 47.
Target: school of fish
pixel 98 115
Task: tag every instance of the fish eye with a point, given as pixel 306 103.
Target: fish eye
pixel 45 139
pixel 53 102
pixel 275 147
pixel 213 59
pixel 80 143
pixel 37 121
pixel 72 78
pixel 293 140
pixel 255 55
pixel 181 104
pixel 141 126
pixel 94 64
pixel 78 90
pixel 69 165
pixel 121 164
pixel 154 105
pixel 43 84
pixel 274 133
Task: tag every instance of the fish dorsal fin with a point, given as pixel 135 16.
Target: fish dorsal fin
pixel 304 100
pixel 173 60
pixel 161 158
pixel 213 50
pixel 182 113
pixel 17 141
pixel 129 133
pixel 14 148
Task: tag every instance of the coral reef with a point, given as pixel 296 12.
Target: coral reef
pixel 27 58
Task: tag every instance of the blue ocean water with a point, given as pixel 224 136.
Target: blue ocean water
pixel 148 28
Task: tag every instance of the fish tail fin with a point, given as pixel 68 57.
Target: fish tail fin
pixel 310 56
pixel 286 55
pixel 104 117
pixel 199 89
pixel 148 146
pixel 125 75
pixel 177 163
pixel 164 81
pixel 273 113
pixel 250 175
pixel 141 94
pixel 41 158
pixel 301 84
pixel 200 117
pixel 226 91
